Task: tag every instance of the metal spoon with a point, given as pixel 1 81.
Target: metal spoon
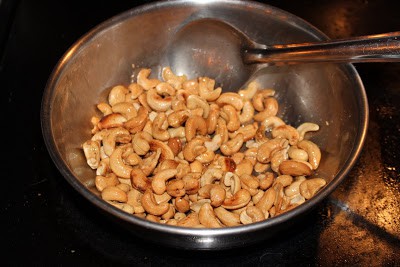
pixel 213 48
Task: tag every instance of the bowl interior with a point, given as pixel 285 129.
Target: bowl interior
pixel 331 95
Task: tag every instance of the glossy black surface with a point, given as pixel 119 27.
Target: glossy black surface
pixel 45 222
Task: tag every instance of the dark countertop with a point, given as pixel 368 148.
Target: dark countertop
pixel 46 222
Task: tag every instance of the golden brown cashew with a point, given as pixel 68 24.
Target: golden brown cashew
pixel 230 98
pixel 111 120
pixel 222 130
pixel 157 102
pixel 214 144
pixel 271 122
pixel 252 214
pixel 194 148
pixel 210 175
pixel 207 216
pixel 150 162
pixel 160 126
pixel 206 157
pixel 250 90
pixel 244 167
pixel 313 151
pixel 297 154
pixel 294 188
pixel 118 134
pixel 104 108
pixel 247 112
pixel 277 157
pixel 216 193
pixel 117 94
pixel 207 90
pixel 260 96
pixel 102 182
pixel 226 217
pixel 140 143
pixel 305 128
pixel 310 187
pixel 169 76
pixel 178 118
pixel 212 118
pixel 266 149
pixel 232 181
pixel 232 146
pixel 137 123
pixel 117 164
pixel 267 200
pixel 182 204
pixel 91 150
pixel 113 193
pixel 230 115
pixel 194 101
pixel 158 183
pixel 250 183
pixel 134 197
pixel 240 199
pixel 151 206
pixel 166 152
pixel 176 188
pixel 192 220
pixel 135 91
pixel 144 81
pixel 165 89
pixel 266 179
pixel 139 180
pixel 295 168
pixel 193 125
pixel 125 109
pixel 170 213
pixel 271 109
pixel 249 131
pixel 286 131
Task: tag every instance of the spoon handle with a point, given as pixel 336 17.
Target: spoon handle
pixel 371 48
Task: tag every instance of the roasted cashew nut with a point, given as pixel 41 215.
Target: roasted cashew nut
pixel 207 216
pixel 136 124
pixel 91 150
pixel 158 102
pixel 305 128
pixel 139 180
pixel 313 151
pixel 226 217
pixel 240 199
pixel 144 81
pixel 111 120
pixel 117 94
pixel 216 193
pixel 193 125
pixel 151 206
pixel 230 98
pixel 158 183
pixel 117 164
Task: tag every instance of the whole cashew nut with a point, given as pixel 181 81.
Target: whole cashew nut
pixel 207 216
pixel 313 151
pixel 144 81
pixel 158 183
pixel 151 206
pixel 226 217
pixel 230 98
pixel 157 102
pixel 216 193
pixel 305 128
pixel 117 164
pixel 193 125
pixel 240 199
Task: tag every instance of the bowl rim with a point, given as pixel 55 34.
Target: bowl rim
pixel 203 234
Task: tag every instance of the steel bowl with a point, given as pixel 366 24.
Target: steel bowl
pixel 331 95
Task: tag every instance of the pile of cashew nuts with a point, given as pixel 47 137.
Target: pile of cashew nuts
pixel 181 152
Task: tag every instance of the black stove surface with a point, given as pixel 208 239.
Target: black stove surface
pixel 46 222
